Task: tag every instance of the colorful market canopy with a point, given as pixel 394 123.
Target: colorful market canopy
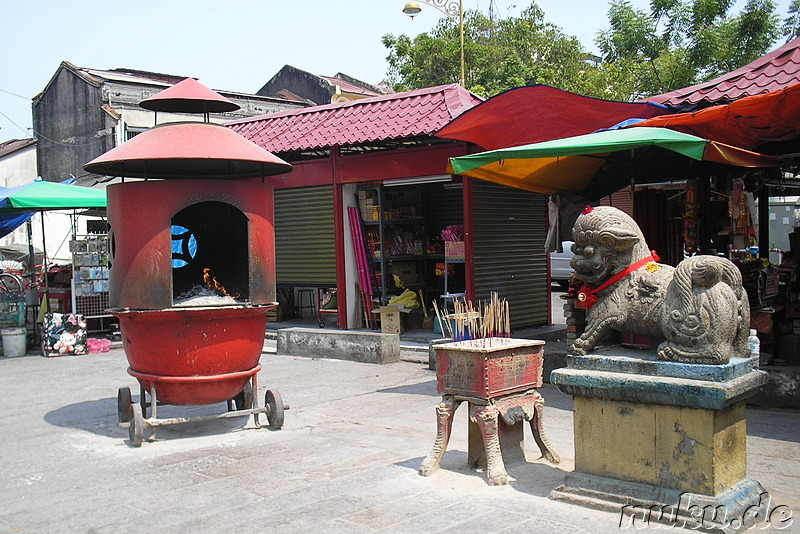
pixel 537 113
pixel 750 123
pixel 41 195
pixel 611 157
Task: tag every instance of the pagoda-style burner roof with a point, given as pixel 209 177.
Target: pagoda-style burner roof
pixel 189 96
pixel 185 150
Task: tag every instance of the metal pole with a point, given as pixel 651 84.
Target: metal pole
pixel 461 16
pixel 31 282
pixel 448 8
pixel 633 179
pixel 763 219
pixel 44 268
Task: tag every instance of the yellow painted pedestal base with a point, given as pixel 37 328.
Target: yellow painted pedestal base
pixel 664 436
pixel 687 449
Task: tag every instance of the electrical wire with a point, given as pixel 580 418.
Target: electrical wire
pixel 13 94
pixel 27 133
pixel 40 137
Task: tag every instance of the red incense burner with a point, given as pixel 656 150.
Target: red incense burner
pixel 192 259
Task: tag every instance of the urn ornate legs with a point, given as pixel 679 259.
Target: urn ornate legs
pixel 486 419
pixel 487 414
pixel 542 441
pixel 529 407
pixel 444 425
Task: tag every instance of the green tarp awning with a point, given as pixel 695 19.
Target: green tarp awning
pixel 41 195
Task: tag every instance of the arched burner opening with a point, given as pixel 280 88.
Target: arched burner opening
pixel 210 252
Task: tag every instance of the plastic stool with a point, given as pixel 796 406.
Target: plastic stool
pixel 301 294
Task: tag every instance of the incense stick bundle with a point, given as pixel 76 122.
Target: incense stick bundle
pixel 472 321
pixel 508 320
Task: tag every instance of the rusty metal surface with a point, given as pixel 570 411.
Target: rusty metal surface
pixel 218 346
pixel 171 239
pixel 489 368
pixel 141 259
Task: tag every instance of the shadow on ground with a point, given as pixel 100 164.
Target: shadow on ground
pixel 100 417
pixel 536 478
pixel 422 388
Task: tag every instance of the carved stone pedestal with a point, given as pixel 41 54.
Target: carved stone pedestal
pixel 660 435
pixel 495 430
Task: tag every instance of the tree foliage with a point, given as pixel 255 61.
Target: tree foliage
pixel 674 44
pixel 498 54
pixel 791 25
pixel 682 42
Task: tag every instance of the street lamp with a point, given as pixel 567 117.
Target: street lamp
pixel 454 9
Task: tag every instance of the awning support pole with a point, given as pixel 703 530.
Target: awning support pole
pixel 763 219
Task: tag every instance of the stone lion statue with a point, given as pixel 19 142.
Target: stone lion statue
pixel 699 308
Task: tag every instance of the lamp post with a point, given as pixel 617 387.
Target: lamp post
pixel 454 9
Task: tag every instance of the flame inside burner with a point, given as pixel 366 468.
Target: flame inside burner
pixel 211 294
pixel 211 283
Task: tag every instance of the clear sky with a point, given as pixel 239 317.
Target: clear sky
pixel 236 45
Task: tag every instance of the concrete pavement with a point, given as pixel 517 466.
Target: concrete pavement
pixel 345 461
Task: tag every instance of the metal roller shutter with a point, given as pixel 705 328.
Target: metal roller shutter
pixel 510 226
pixel 305 252
pixel 620 200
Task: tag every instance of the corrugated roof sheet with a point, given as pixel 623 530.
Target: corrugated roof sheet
pixel 349 87
pixel 122 76
pixel 367 120
pixel 9 147
pixel 152 79
pixel 777 70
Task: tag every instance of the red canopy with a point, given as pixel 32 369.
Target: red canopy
pixel 537 113
pixel 747 123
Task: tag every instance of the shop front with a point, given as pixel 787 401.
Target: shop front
pixel 376 157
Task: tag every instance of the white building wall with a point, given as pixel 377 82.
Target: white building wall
pixel 19 168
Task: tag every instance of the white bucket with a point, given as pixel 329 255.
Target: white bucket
pixel 15 342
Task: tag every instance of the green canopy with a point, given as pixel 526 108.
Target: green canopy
pixel 41 195
pixel 569 164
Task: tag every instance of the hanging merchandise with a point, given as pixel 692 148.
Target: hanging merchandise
pixel 453 233
pixel 737 208
pixel 690 217
pixel 741 206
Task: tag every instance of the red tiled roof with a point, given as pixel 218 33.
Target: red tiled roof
pixel 777 70
pixel 395 116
